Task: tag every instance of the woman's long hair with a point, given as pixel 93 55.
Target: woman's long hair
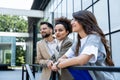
pixel 90 26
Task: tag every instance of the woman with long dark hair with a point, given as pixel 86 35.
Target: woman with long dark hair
pixel 90 49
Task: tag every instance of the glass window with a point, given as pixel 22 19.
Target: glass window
pixel 86 3
pixel 90 9
pixel 59 10
pixel 59 1
pixel 101 14
pixel 116 51
pixel 69 8
pixel 52 5
pixel 50 18
pixel 115 14
pixel 56 13
pixel 95 0
pixel 55 4
pixel 46 13
pixel 77 5
pixel 49 7
pixel 64 8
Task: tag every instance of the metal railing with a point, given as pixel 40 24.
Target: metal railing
pixel 97 68
pixel 29 73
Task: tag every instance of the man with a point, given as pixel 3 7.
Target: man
pixel 45 49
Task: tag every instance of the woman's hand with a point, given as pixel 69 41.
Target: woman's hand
pixel 49 64
pixel 54 67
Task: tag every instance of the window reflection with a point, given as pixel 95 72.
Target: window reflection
pixel 64 8
pixel 69 8
pixel 101 14
pixel 77 5
pixel 115 14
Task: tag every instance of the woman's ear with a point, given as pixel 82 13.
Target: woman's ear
pixel 67 32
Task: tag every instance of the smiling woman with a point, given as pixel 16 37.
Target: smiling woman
pixel 90 49
pixel 62 30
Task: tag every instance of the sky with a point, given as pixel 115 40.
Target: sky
pixel 16 4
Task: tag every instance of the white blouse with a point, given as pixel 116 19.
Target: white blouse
pixel 88 50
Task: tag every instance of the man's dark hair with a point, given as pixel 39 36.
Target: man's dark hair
pixel 48 24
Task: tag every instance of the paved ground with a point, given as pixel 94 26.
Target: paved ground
pixel 13 75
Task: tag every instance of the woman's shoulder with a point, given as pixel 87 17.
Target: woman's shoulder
pixel 68 40
pixel 93 37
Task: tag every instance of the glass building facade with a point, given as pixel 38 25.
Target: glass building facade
pixel 107 14
pixel 7 50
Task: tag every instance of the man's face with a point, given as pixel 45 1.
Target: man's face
pixel 45 31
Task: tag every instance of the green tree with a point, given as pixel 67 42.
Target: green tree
pixel 13 24
pixel 20 58
pixel 8 57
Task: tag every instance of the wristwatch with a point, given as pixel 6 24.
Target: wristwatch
pixel 57 63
